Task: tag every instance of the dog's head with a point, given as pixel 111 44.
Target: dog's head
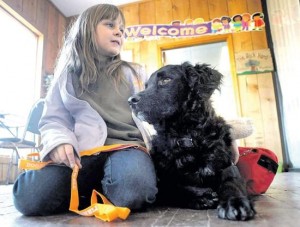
pixel 175 89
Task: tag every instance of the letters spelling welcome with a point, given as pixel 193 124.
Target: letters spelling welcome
pixel 141 31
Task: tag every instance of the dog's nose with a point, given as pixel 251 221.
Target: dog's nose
pixel 133 99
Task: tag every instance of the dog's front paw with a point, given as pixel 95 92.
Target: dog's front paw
pixel 209 200
pixel 239 209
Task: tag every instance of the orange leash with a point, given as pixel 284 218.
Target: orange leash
pixel 105 211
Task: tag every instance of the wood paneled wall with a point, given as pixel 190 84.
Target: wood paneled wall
pixel 255 92
pixel 44 17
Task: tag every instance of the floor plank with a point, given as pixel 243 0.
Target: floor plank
pixel 278 207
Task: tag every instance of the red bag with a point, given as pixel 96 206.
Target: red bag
pixel 258 167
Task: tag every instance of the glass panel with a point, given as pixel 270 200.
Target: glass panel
pixel 284 19
pixel 217 56
pixel 19 86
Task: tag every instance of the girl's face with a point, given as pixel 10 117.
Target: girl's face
pixel 110 37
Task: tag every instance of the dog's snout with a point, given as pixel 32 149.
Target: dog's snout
pixel 133 99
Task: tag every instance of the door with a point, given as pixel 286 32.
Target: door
pixel 217 55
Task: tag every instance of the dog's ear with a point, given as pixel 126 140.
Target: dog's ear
pixel 202 79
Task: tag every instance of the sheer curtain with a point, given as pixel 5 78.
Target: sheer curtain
pixel 284 18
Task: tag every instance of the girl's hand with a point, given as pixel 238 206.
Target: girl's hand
pixel 64 153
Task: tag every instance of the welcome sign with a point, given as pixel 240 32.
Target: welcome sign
pixel 189 28
pixel 144 31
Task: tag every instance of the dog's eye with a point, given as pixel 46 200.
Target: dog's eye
pixel 164 81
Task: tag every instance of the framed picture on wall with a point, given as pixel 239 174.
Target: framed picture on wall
pixel 253 62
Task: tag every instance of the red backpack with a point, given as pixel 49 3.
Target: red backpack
pixel 258 167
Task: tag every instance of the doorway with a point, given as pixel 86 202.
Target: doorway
pixel 20 70
pixel 218 55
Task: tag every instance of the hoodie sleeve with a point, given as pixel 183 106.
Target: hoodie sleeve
pixel 56 125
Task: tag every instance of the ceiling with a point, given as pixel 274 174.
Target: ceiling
pixel 71 8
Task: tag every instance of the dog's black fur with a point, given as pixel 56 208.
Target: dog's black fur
pixel 192 148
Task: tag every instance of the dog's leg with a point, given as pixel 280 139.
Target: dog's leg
pixel 191 197
pixel 234 202
pixel 199 198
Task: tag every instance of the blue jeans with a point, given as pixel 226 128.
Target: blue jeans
pixel 127 178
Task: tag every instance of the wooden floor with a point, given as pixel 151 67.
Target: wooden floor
pixel 279 207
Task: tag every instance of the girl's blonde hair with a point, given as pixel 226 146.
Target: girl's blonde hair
pixel 79 54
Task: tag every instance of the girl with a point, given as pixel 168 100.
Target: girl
pixel 86 109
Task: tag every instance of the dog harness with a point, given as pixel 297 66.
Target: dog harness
pixel 105 211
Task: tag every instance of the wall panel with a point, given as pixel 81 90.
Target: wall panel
pixel 236 7
pixel 147 12
pixel 199 8
pixel 217 8
pixel 163 11
pixel 181 10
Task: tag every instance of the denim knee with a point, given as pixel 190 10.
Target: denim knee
pixel 129 179
pixel 42 193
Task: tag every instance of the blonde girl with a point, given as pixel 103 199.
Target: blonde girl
pixel 86 109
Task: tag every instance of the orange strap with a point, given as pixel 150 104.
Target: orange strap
pixel 105 211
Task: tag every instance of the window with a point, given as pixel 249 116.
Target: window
pixel 19 69
pixel 217 56
pixel 284 18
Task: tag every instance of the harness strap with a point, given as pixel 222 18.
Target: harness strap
pixel 105 211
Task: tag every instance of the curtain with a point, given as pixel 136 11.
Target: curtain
pixel 284 19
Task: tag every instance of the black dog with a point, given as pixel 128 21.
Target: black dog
pixel 191 150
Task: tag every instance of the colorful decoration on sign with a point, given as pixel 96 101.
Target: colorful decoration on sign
pixel 197 27
pixel 254 62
